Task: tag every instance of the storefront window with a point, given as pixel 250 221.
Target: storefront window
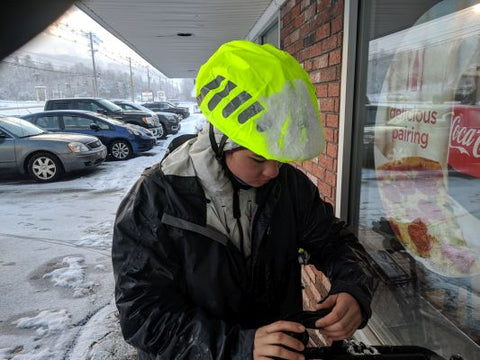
pixel 271 35
pixel 419 198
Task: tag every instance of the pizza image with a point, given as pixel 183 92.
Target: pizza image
pixel 423 217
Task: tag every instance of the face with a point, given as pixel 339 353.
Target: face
pixel 251 168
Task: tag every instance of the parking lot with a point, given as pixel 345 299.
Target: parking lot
pixel 57 283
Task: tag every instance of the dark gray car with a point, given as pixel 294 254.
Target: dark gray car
pixel 45 156
pixel 169 122
pixel 106 107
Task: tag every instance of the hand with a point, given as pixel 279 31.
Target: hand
pixel 345 317
pixel 271 341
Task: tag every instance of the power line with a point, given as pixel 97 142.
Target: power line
pixel 33 55
pixel 33 60
pixel 48 70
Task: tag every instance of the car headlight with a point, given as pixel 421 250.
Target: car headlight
pixel 148 120
pixel 77 147
pixel 134 132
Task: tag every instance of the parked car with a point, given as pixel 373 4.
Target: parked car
pixel 169 122
pixel 168 107
pixel 122 140
pixel 45 156
pixel 106 107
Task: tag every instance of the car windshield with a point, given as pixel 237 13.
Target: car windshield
pixel 20 128
pixel 110 105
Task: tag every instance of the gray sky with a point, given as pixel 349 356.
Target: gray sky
pixel 69 35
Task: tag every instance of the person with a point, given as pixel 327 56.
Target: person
pixel 205 245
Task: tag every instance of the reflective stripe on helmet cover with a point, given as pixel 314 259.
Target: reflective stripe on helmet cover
pixel 235 103
pixel 215 83
pixel 220 95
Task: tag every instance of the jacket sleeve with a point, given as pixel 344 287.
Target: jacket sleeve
pixel 336 252
pixel 156 315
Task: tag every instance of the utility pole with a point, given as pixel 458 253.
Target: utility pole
pixel 148 78
pixel 95 86
pixel 132 95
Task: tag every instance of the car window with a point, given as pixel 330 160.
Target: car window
pixel 56 105
pixel 76 122
pixel 106 104
pixel 90 106
pixel 20 127
pixel 4 134
pixel 110 120
pixel 86 105
pixel 140 107
pixel 101 124
pixel 128 107
pixel 48 122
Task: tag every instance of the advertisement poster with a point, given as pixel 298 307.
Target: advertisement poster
pixel 430 128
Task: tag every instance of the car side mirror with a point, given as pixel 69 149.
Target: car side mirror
pixel 94 127
pixel 101 111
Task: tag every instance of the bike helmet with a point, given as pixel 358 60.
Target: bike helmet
pixel 261 98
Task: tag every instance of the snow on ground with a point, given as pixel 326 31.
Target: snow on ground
pixel 46 322
pixel 72 275
pixel 20 108
pixel 57 288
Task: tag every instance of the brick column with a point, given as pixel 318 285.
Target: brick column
pixel 312 31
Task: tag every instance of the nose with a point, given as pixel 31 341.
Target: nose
pixel 271 169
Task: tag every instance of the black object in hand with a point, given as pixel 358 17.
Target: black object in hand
pixel 307 318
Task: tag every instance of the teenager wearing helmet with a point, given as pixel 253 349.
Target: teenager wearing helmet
pixel 205 244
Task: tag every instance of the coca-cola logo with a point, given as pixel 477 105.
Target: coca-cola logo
pixel 463 138
pixel 464 152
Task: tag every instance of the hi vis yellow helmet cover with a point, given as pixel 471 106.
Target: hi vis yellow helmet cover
pixel 262 99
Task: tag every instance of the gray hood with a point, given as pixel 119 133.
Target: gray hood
pixel 197 158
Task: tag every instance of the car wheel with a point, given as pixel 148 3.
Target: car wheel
pixel 162 132
pixel 120 150
pixel 44 167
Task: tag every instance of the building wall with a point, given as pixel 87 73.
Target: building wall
pixel 312 31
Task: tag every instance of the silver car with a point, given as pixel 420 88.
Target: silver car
pixel 46 156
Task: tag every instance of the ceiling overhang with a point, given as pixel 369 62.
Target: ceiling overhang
pixel 156 29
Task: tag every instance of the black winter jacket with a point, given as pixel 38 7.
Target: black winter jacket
pixel 184 291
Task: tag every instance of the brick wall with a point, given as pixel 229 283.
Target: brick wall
pixel 315 288
pixel 312 31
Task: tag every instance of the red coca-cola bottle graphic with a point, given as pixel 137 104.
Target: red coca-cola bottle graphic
pixel 464 149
